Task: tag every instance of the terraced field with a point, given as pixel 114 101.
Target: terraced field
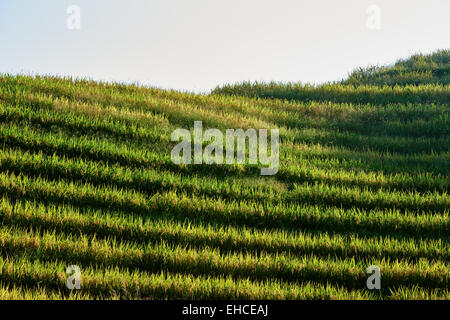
pixel 86 179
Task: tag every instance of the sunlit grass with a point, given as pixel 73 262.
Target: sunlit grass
pixel 86 179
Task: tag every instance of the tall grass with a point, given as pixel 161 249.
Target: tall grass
pixel 86 178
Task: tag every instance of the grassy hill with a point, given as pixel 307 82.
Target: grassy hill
pixel 419 79
pixel 418 69
pixel 86 179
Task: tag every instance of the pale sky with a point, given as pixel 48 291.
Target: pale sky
pixel 195 45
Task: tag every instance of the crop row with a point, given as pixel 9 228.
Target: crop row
pixel 154 258
pixel 215 210
pixel 71 220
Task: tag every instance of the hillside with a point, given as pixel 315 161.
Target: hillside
pixel 418 69
pixel 87 179
pixel 419 79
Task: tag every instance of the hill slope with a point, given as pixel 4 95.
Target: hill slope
pixel 86 179
pixel 419 79
pixel 418 69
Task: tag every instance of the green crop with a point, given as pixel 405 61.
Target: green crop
pixel 86 179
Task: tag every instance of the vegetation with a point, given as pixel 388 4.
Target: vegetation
pixel 416 70
pixel 86 179
pixel 421 79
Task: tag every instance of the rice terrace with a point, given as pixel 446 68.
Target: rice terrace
pixel 89 191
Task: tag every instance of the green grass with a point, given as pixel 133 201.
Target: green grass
pixel 418 69
pixel 86 179
pixel 420 79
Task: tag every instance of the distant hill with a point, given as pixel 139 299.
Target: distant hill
pixel 418 79
pixel 418 69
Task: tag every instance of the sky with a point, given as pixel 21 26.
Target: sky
pixel 195 45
